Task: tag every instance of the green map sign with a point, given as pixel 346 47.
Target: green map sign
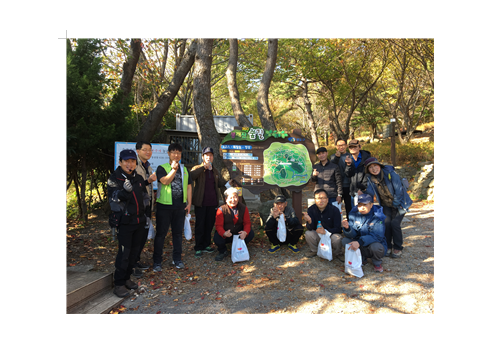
pixel 287 164
pixel 261 159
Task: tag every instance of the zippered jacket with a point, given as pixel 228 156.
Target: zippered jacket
pixel 130 204
pixel 357 174
pixel 329 179
pixel 367 229
pixel 197 174
pixel 395 186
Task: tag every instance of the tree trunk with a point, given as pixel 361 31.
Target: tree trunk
pixel 129 67
pixel 310 118
pixel 207 133
pixel 83 190
pixel 263 109
pixel 156 115
pixel 233 87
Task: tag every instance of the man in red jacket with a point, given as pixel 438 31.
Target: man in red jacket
pixel 233 218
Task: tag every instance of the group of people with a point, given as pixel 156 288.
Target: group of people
pixel 354 177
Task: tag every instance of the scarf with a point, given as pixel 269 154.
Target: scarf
pixel 385 196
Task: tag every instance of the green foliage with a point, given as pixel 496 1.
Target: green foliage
pixel 93 124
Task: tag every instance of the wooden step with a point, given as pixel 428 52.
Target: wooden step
pixel 90 292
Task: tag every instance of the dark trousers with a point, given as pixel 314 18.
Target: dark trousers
pixel 374 251
pixel 393 232
pixel 129 241
pixel 346 197
pixel 222 241
pixel 165 218
pixel 144 238
pixel 292 236
pixel 203 226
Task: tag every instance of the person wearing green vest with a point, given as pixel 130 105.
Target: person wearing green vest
pixel 173 203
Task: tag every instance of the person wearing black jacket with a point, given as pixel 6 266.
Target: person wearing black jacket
pixel 330 219
pixel 327 176
pixel 127 195
pixel 293 226
pixel 355 168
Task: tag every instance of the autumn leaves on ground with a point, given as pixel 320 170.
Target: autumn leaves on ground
pixel 283 282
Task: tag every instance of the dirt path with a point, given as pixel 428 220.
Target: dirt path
pixel 280 283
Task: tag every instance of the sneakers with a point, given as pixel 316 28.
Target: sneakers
pixel 208 250
pixel 156 267
pixel 131 285
pixel 293 248
pixel 141 266
pixel 204 250
pixel 121 291
pixel 274 248
pixel 378 268
pixel 388 253
pixel 136 272
pixel 178 264
pixel 221 256
pixel 396 253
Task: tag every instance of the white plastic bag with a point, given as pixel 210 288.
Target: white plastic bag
pixel 325 246
pixel 353 261
pixel 239 250
pixel 187 227
pixel 281 228
pixel 339 207
pixel 151 230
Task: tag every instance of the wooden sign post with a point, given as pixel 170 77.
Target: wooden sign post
pixel 260 160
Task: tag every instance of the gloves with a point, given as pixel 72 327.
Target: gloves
pixel 127 186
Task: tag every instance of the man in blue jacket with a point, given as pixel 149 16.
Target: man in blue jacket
pixel 365 230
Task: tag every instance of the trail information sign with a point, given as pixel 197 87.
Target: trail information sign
pixel 262 159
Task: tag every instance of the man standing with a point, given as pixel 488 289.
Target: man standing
pixel 355 170
pixel 172 204
pixel 340 158
pixel 206 193
pixel 329 216
pixel 327 176
pixel 144 152
pixel 127 194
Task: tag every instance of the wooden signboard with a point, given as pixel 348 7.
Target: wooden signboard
pixel 261 159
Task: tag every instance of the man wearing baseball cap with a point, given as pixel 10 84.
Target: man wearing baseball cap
pixel 355 168
pixel 365 230
pixel 127 195
pixel 206 194
pixel 293 225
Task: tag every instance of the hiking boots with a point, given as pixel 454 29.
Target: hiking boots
pixel 396 253
pixel 221 256
pixel 131 285
pixel 136 272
